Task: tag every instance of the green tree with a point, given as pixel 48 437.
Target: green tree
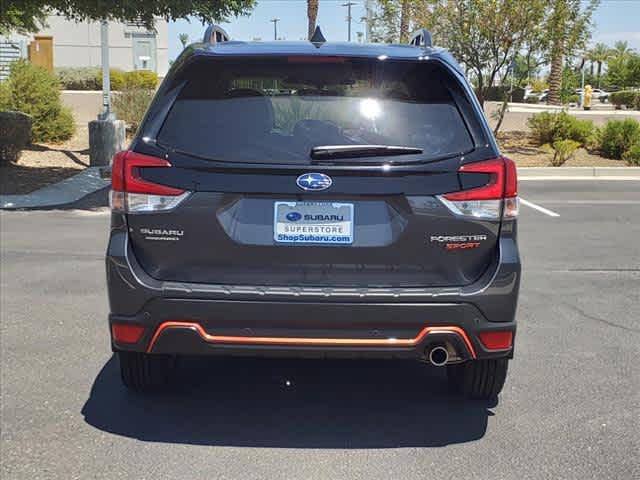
pixel 28 15
pixel 624 70
pixel 621 49
pixel 486 35
pixel 312 16
pixel 599 55
pixel 568 27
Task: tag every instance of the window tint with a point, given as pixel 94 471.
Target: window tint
pixel 275 110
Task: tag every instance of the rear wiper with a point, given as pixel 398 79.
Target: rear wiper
pixel 326 152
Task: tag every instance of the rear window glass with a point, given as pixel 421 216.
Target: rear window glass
pixel 277 109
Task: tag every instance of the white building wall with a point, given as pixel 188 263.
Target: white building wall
pixel 77 44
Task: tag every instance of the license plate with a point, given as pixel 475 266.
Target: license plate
pixel 327 223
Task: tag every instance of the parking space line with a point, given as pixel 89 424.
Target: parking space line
pixel 539 208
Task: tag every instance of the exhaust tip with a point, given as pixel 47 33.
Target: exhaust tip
pixel 438 356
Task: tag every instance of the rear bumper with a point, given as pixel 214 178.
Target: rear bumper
pixel 183 318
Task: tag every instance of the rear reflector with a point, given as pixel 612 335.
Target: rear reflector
pixel 498 197
pixel 124 333
pixel 132 194
pixel 498 340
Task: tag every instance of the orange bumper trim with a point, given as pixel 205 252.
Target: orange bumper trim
pixel 309 341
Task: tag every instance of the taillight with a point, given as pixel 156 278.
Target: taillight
pixel 132 194
pixel 499 197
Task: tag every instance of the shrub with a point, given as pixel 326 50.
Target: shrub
pixel 35 91
pixel 131 105
pixel 538 85
pixel 627 98
pixel 532 99
pixel 15 134
pixel 632 155
pixel 81 78
pixel 116 78
pixel 563 150
pixel 617 136
pixel 140 79
pixel 573 99
pixel 549 127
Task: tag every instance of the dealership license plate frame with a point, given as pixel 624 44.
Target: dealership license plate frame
pixel 332 232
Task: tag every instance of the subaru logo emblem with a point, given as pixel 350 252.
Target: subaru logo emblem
pixel 293 216
pixel 314 181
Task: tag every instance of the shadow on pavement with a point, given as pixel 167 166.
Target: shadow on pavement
pixel 299 404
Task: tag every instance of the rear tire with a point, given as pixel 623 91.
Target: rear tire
pixel 144 372
pixel 479 379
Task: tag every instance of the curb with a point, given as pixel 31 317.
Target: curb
pixel 66 192
pixel 603 173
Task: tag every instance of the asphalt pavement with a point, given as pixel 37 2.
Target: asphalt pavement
pixel 570 409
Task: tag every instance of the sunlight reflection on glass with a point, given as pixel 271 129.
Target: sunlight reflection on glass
pixel 370 108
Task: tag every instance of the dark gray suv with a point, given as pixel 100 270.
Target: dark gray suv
pixel 314 199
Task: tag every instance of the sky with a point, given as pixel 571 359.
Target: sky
pixel 614 20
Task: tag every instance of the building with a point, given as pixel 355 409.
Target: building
pixel 65 43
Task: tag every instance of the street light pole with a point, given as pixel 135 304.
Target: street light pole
pixel 349 5
pixel 275 27
pixel 106 82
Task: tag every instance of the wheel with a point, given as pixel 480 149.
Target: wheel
pixel 479 379
pixel 144 372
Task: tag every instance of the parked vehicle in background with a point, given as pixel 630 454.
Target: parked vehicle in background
pixel 363 211
pixel 597 94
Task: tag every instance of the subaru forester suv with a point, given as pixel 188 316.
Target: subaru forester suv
pixel 314 199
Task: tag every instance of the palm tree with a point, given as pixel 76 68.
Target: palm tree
pixel 184 39
pixel 312 15
pixel 621 49
pixel 599 55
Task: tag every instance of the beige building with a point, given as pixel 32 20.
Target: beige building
pixel 67 43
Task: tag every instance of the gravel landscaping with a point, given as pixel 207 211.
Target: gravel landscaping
pixel 43 164
pixel 521 148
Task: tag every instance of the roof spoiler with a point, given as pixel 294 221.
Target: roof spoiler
pixel 421 38
pixel 215 34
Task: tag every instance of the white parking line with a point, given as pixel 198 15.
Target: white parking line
pixel 539 208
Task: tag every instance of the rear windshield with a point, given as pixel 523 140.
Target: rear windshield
pixel 277 109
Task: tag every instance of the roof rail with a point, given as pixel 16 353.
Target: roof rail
pixel 421 38
pixel 215 34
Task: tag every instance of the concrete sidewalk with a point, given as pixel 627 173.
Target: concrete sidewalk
pixel 579 173
pixel 63 193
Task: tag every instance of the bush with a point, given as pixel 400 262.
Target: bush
pixel 563 150
pixel 532 99
pixel 90 78
pixel 632 155
pixel 618 136
pixel 116 79
pixel 35 91
pixel 131 105
pixel 627 98
pixel 573 99
pixel 140 79
pixel 81 78
pixel 549 127
pixel 15 134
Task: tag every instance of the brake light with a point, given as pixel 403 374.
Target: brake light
pixel 498 197
pixel 133 194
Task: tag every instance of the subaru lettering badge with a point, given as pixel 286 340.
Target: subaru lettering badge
pixel 314 181
pixel 294 216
